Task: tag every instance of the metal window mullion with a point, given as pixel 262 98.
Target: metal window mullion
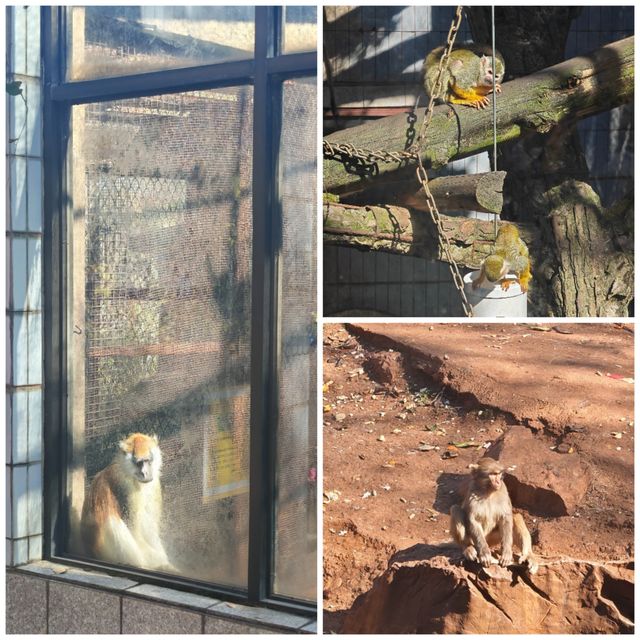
pixel 298 63
pixel 262 314
pixel 54 139
pixel 223 74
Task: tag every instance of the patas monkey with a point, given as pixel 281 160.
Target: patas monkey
pixel 122 510
pixel 486 519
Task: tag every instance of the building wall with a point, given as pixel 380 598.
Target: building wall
pixel 49 598
pixel 24 289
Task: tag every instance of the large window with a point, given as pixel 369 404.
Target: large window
pixel 181 225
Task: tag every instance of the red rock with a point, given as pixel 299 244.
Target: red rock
pixel 426 590
pixel 543 482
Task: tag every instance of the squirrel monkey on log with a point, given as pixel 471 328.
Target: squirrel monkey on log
pixel 122 510
pixel 510 255
pixel 467 78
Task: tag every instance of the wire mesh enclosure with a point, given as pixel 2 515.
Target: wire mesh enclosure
pixel 181 296
pixel 162 311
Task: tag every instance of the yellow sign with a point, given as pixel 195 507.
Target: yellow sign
pixel 226 464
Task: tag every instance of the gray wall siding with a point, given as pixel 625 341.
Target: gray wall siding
pixel 24 289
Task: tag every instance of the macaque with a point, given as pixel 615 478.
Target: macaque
pixel 510 255
pixel 122 510
pixel 486 519
pixel 468 77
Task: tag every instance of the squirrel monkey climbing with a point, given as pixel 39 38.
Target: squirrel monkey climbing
pixel 510 255
pixel 468 76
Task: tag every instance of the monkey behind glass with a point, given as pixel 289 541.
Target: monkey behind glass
pixel 122 510
pixel 485 519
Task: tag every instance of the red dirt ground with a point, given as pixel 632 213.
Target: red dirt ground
pixel 390 389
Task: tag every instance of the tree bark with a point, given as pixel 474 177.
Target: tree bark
pixel 570 90
pixel 399 230
pixel 586 269
pixel 585 263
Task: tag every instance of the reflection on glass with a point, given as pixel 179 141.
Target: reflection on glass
pixel 300 33
pixel 159 340
pixel 106 41
pixel 295 544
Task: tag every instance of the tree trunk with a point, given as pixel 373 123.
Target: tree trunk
pixel 582 268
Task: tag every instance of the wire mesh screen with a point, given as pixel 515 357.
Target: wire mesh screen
pixel 106 41
pixel 296 454
pixel 161 289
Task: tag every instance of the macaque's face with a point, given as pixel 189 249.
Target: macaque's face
pixel 487 71
pixel 495 480
pixel 489 474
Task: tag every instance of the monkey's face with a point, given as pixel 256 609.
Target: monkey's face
pixel 486 77
pixel 488 474
pixel 143 468
pixel 495 480
pixel 141 457
pixel 494 267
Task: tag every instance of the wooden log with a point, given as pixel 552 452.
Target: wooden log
pixel 399 230
pixel 475 192
pixel 574 89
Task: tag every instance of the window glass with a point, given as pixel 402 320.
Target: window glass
pixel 300 30
pixel 160 237
pixel 295 543
pixel 106 41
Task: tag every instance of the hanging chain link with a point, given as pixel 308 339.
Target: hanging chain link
pixel 413 153
pixel 333 149
pixel 421 172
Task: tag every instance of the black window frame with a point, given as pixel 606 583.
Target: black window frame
pixel 266 72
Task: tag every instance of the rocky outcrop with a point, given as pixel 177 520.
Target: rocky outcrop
pixel 426 589
pixel 540 480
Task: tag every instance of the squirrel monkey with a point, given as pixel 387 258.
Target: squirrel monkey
pixel 122 510
pixel 468 76
pixel 486 519
pixel 510 255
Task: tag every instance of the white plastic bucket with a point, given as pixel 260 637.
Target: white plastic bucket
pixel 492 301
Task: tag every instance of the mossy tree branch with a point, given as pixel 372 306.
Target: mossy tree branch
pixel 399 230
pixel 573 89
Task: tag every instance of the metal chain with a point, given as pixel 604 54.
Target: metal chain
pixel 332 149
pixel 421 172
pixel 437 85
pixel 413 154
